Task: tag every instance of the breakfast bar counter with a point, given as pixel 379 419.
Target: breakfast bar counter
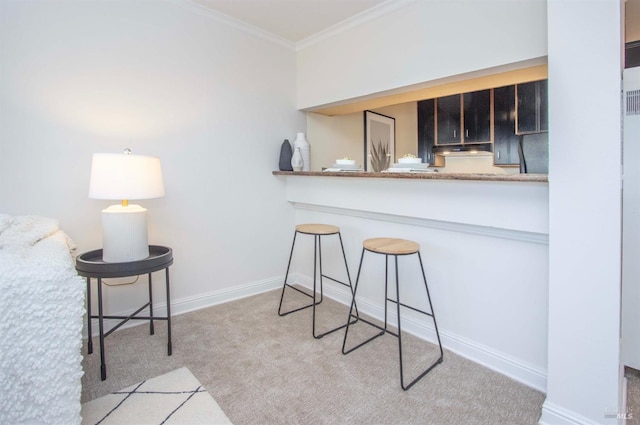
pixel 541 178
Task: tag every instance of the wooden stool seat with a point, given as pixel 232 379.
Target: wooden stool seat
pixel 391 246
pixel 317 229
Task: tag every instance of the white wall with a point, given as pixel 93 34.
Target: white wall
pixel 584 212
pixel 163 78
pixel 343 135
pixel 420 41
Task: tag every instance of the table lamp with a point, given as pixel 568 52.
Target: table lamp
pixel 125 177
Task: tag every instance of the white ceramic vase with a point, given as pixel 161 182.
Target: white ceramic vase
pixel 297 162
pixel 302 144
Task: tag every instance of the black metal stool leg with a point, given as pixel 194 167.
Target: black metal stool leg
pixel 351 289
pixel 353 303
pixel 285 285
pixel 316 249
pixel 322 275
pixel 439 359
pixel 433 313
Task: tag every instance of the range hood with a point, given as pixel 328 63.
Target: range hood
pixel 480 149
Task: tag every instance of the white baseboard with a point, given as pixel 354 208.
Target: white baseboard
pixel 423 328
pixel 188 304
pixel 492 359
pixel 556 415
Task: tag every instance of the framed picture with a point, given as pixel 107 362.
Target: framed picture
pixel 379 141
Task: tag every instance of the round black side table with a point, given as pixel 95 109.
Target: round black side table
pixel 91 265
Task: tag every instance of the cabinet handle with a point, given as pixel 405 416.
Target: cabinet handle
pixel 454 133
pixel 466 133
pixel 498 153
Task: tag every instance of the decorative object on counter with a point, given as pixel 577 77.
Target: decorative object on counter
pixel 380 159
pixel 297 163
pixel 381 129
pixel 346 161
pixel 344 164
pixel 305 150
pixel 409 159
pixel 410 163
pixel 286 153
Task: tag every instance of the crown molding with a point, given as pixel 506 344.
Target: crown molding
pixel 375 12
pixel 233 22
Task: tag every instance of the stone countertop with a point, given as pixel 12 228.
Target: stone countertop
pixel 540 178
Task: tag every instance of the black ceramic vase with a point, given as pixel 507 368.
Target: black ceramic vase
pixel 285 156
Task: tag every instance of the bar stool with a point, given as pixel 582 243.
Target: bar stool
pixel 393 247
pixel 318 231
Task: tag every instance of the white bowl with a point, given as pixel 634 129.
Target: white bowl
pixel 346 161
pixel 409 160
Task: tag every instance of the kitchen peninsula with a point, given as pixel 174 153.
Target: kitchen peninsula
pixel 484 241
pixel 541 178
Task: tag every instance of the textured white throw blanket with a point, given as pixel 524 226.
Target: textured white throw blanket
pixel 41 318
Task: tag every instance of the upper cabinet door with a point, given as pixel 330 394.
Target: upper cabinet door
pixel 426 130
pixel 477 116
pixel 448 112
pixel 532 107
pixel 505 142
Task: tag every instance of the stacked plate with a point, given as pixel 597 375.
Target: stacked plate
pixel 416 166
pixel 346 167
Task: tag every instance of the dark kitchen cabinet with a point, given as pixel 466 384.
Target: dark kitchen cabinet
pixel 426 130
pixel 532 107
pixel 477 116
pixel 464 118
pixel 449 114
pixel 505 140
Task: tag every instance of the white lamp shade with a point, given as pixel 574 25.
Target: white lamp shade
pixel 122 176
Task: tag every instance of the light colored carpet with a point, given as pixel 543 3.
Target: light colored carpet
pixel 175 398
pixel 265 369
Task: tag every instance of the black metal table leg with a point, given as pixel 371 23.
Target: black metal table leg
pixel 89 339
pixel 91 265
pixel 103 366
pixel 151 330
pixel 168 314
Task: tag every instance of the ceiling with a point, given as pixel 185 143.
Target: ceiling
pixel 296 20
pixel 292 20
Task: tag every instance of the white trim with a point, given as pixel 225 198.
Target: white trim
pixel 522 372
pixel 375 12
pixel 233 22
pixel 485 356
pixel 556 415
pixel 188 304
pixel 474 229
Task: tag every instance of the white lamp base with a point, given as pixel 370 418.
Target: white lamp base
pixel 124 234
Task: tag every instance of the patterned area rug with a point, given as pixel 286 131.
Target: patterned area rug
pixel 174 398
